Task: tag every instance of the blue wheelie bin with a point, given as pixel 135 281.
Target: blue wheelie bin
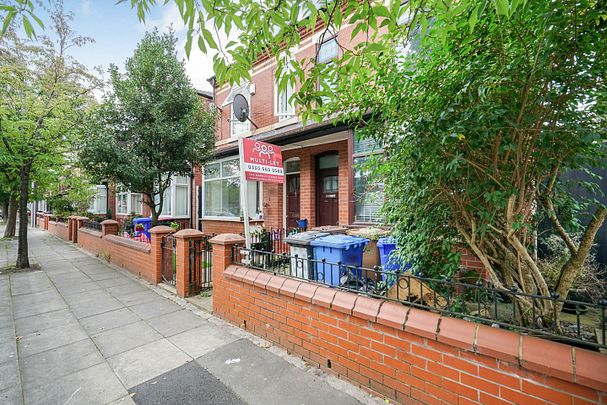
pixel 389 262
pixel 348 250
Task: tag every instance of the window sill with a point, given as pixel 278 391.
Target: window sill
pixel 228 219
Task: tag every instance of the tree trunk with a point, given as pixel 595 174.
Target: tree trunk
pixel 11 219
pixel 23 261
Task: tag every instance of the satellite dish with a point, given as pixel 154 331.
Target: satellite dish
pixel 240 105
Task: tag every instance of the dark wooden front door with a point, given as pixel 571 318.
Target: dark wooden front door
pixel 292 200
pixel 327 195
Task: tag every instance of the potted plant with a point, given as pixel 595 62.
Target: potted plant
pixel 175 226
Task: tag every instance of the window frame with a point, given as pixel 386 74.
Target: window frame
pixel 94 207
pixel 220 177
pixel 172 190
pixel 364 155
pixel 290 113
pixel 328 62
pixel 129 198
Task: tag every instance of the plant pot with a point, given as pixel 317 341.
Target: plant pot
pixel 579 294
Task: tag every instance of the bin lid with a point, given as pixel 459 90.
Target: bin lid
pixel 142 220
pixel 304 238
pixel 340 241
pixel 386 241
pixel 370 232
pixel 330 229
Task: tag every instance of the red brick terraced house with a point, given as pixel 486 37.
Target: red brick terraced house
pixel 322 183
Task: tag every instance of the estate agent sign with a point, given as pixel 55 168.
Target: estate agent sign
pixel 262 161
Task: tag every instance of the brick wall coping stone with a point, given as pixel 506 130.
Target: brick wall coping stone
pixel 540 355
pixel 227 239
pixel 188 234
pixel 109 222
pixel 161 229
pixel 91 232
pixel 129 243
pixel 63 224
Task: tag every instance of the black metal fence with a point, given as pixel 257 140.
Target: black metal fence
pixel 169 259
pixel 579 323
pixel 94 225
pixel 273 239
pixel 200 274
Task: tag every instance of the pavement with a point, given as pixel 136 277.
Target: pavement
pixel 82 331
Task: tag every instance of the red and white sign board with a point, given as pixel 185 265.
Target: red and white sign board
pixel 262 161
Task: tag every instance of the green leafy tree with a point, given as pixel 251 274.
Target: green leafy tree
pixel 43 95
pixel 151 126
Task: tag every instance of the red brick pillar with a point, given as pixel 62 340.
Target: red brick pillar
pixel 156 235
pixel 183 238
pixel 78 223
pixel 109 227
pixel 70 228
pixel 223 246
pixel 46 219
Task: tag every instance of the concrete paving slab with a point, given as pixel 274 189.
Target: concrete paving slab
pixel 148 297
pixel 147 311
pixel 113 282
pixel 8 350
pixel 11 396
pixel 146 362
pixel 96 306
pixel 71 277
pixel 175 322
pixel 43 368
pixel 123 338
pixel 27 283
pixel 126 289
pixel 105 275
pixel 260 377
pixel 7 333
pixel 37 303
pixel 9 374
pixel 188 384
pixel 51 338
pixel 109 320
pixel 201 340
pixel 73 289
pixel 30 324
pixel 94 385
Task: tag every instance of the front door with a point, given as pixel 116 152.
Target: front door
pixel 292 200
pixel 327 190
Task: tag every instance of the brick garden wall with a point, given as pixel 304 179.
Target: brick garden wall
pixel 131 255
pixel 59 229
pixel 401 353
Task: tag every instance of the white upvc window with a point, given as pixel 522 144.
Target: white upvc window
pixel 177 198
pixel 328 51
pixel 283 105
pixel 99 200
pixel 236 127
pixel 368 192
pixel 221 191
pixel 128 203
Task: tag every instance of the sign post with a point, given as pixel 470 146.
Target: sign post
pixel 259 161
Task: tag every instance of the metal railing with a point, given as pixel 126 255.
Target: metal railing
pixel 200 274
pixel 272 240
pixel 168 247
pixel 579 323
pixel 94 225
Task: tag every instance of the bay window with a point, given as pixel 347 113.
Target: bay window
pixel 99 200
pixel 128 202
pixel 176 198
pixel 222 191
pixel 368 192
